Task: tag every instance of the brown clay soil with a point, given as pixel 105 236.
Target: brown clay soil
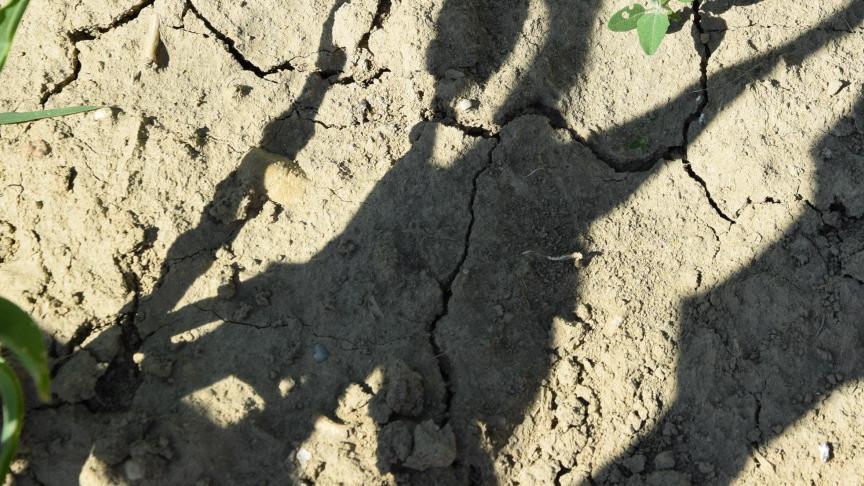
pixel 439 242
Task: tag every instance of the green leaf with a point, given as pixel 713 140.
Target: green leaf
pixel 640 142
pixel 13 416
pixel 20 334
pixel 10 118
pixel 626 18
pixel 652 27
pixel 10 16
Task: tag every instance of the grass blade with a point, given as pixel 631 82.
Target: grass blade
pixel 10 17
pixel 20 334
pixel 13 416
pixel 10 118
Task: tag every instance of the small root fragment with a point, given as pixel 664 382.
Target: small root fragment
pixel 575 256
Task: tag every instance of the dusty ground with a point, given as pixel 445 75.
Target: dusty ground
pixel 335 242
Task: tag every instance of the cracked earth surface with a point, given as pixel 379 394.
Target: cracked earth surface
pixel 439 242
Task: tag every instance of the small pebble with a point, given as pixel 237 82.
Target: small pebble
pixel 825 452
pixel 320 353
pixel 285 387
pixel 331 429
pixel 464 105
pixel 583 312
pixel 303 456
pixel 36 149
pixel 138 358
pixel 102 114
pixel 133 470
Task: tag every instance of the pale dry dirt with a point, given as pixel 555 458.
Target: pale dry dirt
pixel 439 242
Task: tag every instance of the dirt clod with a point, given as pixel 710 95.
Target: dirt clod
pixel 433 447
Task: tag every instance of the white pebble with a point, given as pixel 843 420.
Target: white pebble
pixel 102 114
pixel 303 456
pixel 824 452
pixel 285 386
pixel 464 104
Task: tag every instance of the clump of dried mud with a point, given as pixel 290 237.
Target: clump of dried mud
pixel 439 242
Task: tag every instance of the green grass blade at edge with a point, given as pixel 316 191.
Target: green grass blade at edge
pixel 10 118
pixel 10 17
pixel 21 335
pixel 13 416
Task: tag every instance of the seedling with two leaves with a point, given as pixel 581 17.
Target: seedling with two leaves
pixel 651 23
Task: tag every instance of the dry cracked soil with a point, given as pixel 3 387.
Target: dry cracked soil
pixel 439 242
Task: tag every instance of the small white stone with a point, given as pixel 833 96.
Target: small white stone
pixel 303 456
pixel 102 114
pixel 285 386
pixel 138 358
pixel 464 104
pixel 824 452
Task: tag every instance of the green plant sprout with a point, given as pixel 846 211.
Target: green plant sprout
pixel 10 17
pixel 651 23
pixel 19 334
pixel 638 143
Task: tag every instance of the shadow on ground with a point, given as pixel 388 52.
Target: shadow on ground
pixel 441 287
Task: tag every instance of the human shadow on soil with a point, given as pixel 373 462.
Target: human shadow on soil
pixel 770 343
pixel 392 292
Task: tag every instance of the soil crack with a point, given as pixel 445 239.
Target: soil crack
pixel 88 34
pixel 231 47
pixel 697 115
pixel 444 366
pixel 381 14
